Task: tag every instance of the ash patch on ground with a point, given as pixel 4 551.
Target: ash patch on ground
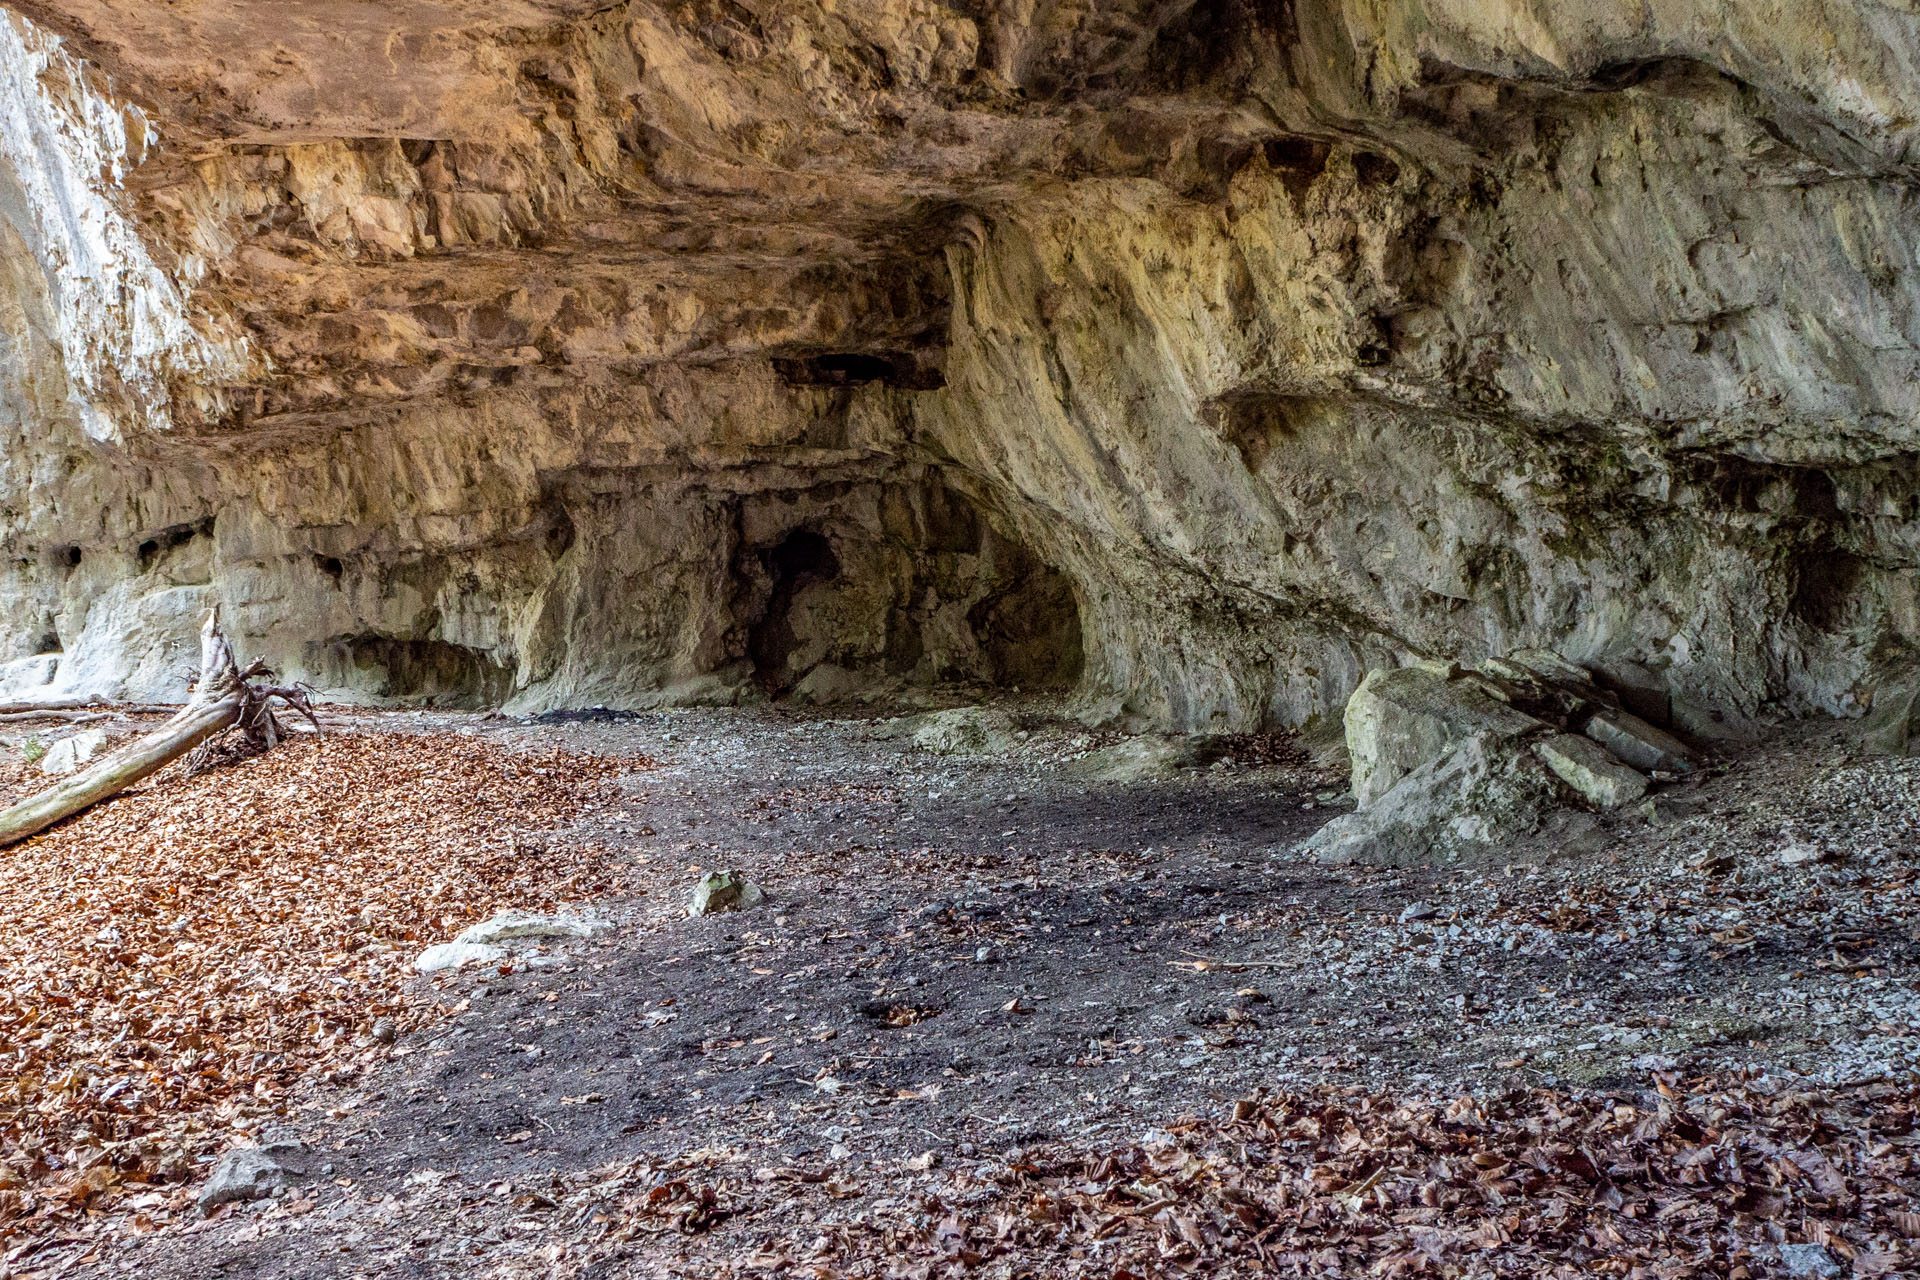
pixel 968 955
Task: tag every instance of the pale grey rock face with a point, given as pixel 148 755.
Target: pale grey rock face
pixel 1202 357
pixel 1398 721
pixel 27 678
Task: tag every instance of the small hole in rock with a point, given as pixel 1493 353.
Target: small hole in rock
pixel 1375 170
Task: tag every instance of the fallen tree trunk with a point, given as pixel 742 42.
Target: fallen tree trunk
pixel 50 704
pixel 70 708
pixel 222 700
pixel 66 717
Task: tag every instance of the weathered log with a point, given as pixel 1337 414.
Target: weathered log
pixel 221 700
pixel 50 704
pixel 71 708
pixel 63 717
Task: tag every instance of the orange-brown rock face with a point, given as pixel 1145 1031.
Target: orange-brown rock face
pixel 1204 355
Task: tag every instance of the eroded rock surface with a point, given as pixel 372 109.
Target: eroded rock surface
pixel 1205 356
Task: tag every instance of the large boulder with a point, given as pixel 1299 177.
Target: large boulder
pixel 1477 794
pixel 1398 721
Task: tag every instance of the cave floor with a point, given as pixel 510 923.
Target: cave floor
pixel 970 959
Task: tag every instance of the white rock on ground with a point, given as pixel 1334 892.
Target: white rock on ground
pixel 1592 770
pixel 71 752
pixel 508 925
pixel 456 955
pixel 724 891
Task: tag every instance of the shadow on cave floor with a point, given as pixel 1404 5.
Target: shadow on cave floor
pixel 964 956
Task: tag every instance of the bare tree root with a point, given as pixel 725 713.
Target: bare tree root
pixel 223 699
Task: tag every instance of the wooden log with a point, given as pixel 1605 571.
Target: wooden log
pixel 51 704
pixel 70 708
pixel 219 699
pixel 63 717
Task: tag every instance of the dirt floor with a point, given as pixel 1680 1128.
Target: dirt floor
pixel 1004 1014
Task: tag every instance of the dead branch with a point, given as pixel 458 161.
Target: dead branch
pixel 74 709
pixel 51 704
pixel 63 717
pixel 222 700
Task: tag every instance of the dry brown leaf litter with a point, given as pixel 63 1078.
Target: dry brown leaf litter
pixel 1705 1180
pixel 176 959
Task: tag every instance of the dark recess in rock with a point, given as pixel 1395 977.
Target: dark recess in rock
pixel 150 551
pixel 802 559
pixel 857 368
pixel 429 671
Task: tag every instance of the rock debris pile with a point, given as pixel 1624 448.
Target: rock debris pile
pixel 1450 763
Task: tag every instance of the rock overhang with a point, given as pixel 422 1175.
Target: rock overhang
pixel 1296 339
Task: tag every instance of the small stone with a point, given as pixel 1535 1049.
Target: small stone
pixel 1591 770
pixel 254 1173
pixel 724 891
pixel 384 1030
pixel 1800 855
pixel 527 924
pixel 1808 1262
pixel 455 955
pixel 1417 911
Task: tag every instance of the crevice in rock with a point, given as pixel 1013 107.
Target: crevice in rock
pixel 433 672
pixel 857 368
pixel 864 590
pixel 1299 162
pixel 801 559
pixel 154 549
pixel 1030 634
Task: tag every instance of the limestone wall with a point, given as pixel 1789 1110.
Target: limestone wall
pixel 1205 355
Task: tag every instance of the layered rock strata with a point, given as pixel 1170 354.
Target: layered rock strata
pixel 1200 357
